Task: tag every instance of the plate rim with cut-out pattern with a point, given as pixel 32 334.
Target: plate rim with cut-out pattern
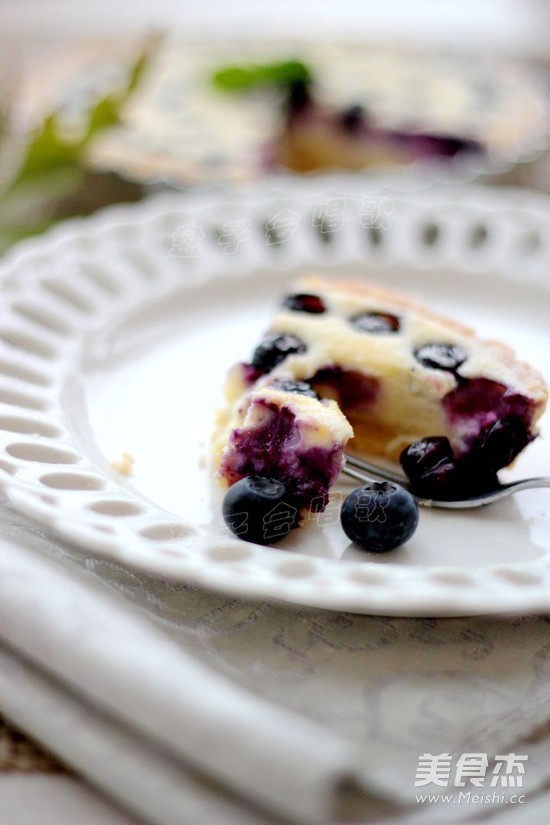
pixel 57 292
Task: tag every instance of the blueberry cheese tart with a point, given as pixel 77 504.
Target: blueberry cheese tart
pixel 348 361
pixel 234 112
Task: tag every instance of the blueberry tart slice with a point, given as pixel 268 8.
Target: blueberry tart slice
pixel 282 429
pixel 348 360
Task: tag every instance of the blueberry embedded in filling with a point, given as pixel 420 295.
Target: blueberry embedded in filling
pixel 444 146
pixel 495 420
pixel 441 356
pixel 488 400
pixel 494 424
pixel 352 119
pixel 424 145
pixel 435 473
pixel 276 448
pixel 501 442
pixel 299 387
pixel 249 374
pixel 353 390
pixel 305 302
pixel 448 480
pixel 448 145
pixel 273 350
pixel 298 98
pixel 376 323
pixel 430 467
pixel 422 456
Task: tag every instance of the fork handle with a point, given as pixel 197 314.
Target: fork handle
pixel 359 476
pixel 527 483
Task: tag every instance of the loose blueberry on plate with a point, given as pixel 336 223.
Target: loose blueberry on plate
pixel 274 349
pixel 379 516
pixel 376 323
pixel 259 510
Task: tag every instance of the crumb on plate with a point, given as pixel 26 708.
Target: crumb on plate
pixel 124 465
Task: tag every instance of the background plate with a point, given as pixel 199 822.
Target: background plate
pixel 118 332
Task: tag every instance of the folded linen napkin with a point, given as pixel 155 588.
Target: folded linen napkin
pixel 377 691
pixel 125 667
pixel 143 778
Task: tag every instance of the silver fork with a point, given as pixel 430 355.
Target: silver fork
pixel 364 471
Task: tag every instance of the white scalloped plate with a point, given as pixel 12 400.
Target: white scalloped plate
pixel 114 337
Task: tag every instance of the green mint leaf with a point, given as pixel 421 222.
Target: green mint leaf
pixel 243 78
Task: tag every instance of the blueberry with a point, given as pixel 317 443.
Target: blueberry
pixel 274 349
pixel 435 473
pixel 259 510
pixel 446 146
pixel 444 482
pixel 305 302
pixel 352 119
pixel 300 387
pixel 501 443
pixel 298 97
pixel 379 516
pixel 432 469
pixel 441 356
pixel 423 455
pixel 376 322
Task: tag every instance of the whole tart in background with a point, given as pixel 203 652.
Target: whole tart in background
pixel 179 128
